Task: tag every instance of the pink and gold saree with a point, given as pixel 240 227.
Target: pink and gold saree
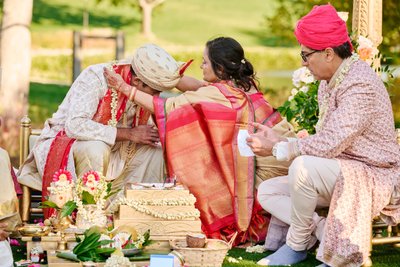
pixel 198 132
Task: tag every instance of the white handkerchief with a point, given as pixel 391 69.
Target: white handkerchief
pixel 244 149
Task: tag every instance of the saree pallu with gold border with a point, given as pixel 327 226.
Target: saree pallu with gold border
pixel 200 143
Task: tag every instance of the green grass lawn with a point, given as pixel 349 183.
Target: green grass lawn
pixel 382 256
pixel 175 22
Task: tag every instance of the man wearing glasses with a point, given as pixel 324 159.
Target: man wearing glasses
pixel 350 165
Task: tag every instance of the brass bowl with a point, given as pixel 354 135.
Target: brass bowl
pixel 34 230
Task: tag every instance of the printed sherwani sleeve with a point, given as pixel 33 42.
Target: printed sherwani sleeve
pixel 350 117
pixel 87 90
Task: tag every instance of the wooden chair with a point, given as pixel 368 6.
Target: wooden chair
pixel 383 233
pixel 28 137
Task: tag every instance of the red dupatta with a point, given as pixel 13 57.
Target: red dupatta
pixel 200 142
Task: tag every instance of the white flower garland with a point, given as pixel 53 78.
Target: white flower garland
pixel 114 102
pixel 336 82
pixel 181 201
pixel 140 206
pixel 99 196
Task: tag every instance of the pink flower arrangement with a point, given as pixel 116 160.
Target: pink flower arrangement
pixel 61 188
pixel 90 180
pixel 62 176
pixel 366 49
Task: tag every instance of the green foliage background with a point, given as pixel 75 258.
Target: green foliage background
pixel 265 29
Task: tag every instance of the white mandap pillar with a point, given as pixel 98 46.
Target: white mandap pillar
pixel 367 21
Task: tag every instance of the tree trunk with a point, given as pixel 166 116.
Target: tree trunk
pixel 147 7
pixel 146 21
pixel 15 61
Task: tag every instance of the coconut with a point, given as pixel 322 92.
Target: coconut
pixel 196 240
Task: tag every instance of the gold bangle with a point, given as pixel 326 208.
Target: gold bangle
pixel 132 94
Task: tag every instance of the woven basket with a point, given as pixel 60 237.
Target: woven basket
pixel 212 254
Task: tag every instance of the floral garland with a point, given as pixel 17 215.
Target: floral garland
pixel 96 185
pixel 181 201
pixel 114 102
pixel 61 188
pixel 140 206
pixel 334 84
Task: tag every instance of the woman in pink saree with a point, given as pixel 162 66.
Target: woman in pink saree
pixel 198 131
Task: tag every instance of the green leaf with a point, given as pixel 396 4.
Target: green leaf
pixel 67 255
pixel 104 250
pixel 112 193
pixel 146 236
pixel 105 242
pixel 87 198
pixel 289 115
pixel 68 208
pixel 48 204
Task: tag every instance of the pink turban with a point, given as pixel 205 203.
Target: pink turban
pixel 322 28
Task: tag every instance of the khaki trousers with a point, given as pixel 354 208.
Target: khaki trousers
pixel 294 198
pixel 91 156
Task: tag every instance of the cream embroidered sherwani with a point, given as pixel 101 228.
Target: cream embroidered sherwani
pixel 358 131
pixel 95 147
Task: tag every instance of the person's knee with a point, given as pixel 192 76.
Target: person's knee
pixel 91 148
pixel 266 191
pixel 93 153
pixel 299 171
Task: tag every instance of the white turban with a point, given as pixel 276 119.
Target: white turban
pixel 156 68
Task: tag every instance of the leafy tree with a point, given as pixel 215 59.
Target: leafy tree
pixel 146 7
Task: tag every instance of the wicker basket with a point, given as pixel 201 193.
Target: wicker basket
pixel 212 254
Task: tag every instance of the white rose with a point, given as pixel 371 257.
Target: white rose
pixel 296 77
pixel 364 42
pixel 304 89
pixel 307 79
pixel 294 91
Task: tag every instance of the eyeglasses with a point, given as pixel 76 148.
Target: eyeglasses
pixel 305 56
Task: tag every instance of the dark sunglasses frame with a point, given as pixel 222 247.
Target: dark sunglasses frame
pixel 305 56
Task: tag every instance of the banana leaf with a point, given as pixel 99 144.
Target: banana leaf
pixel 67 255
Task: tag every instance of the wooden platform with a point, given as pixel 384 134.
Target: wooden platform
pixel 159 201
